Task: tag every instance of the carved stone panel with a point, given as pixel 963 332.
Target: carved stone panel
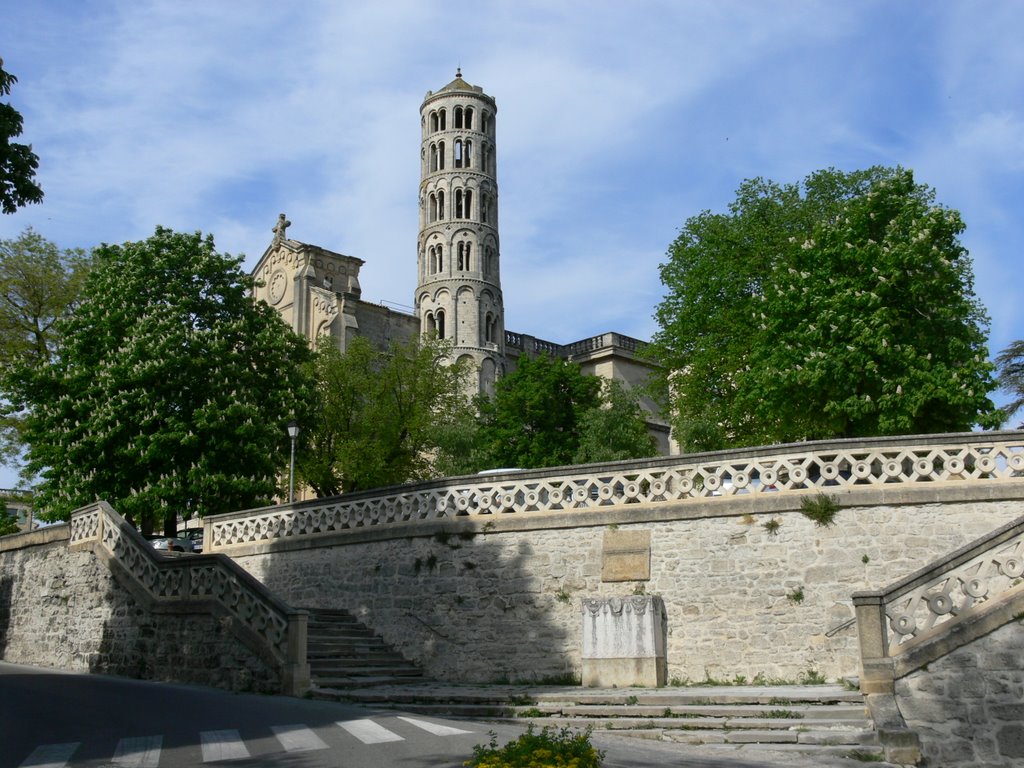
pixel 626 556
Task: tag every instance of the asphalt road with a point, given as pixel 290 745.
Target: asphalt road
pixel 55 719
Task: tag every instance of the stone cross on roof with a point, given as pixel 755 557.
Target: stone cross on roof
pixel 280 229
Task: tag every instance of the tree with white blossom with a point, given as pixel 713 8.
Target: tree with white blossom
pixel 840 307
pixel 170 391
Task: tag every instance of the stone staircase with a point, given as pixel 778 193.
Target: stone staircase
pixel 344 653
pixel 817 719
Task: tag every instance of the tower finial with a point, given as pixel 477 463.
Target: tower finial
pixel 458 71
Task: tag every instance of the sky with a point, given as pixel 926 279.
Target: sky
pixel 617 121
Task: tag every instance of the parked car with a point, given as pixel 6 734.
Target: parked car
pixel 195 535
pixel 163 543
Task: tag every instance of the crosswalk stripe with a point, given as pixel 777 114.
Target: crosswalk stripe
pixel 51 755
pixel 369 732
pixel 222 745
pixel 434 728
pixel 138 752
pixel 297 738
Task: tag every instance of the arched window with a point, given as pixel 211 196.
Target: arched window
pixel 467 154
pixel 462 256
pixel 440 155
pixel 469 118
pixel 485 207
pixel 433 207
pixel 458 153
pixel 440 119
pixel 490 327
pixel 433 122
pixel 433 157
pixel 440 259
pixel 484 157
pixel 440 323
pixel 458 117
pixel 469 254
pixel 458 203
pixel 440 205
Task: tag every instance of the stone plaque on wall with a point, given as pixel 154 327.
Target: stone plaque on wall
pixel 626 556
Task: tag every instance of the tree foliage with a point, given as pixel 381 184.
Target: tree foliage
pixel 616 429
pixel 378 415
pixel 841 307
pixel 18 163
pixel 535 417
pixel 39 284
pixel 171 389
pixel 1010 364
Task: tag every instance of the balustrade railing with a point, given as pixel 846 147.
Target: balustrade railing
pixel 822 466
pixel 281 630
pixel 901 617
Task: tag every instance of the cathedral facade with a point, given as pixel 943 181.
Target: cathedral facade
pixel 458 291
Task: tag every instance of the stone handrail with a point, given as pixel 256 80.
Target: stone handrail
pixel 278 629
pixel 824 466
pixel 906 616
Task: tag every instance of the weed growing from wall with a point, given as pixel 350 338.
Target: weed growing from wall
pixel 820 508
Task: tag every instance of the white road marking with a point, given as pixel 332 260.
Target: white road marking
pixel 51 755
pixel 139 752
pixel 222 745
pixel 297 738
pixel 434 728
pixel 369 732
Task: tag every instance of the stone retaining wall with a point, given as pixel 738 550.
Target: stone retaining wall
pixel 499 597
pixel 967 707
pixel 68 610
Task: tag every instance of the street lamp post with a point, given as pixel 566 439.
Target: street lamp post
pixel 293 432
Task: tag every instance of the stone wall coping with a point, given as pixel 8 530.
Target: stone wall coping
pixel 40 536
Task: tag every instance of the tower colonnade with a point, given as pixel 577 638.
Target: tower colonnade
pixel 458 292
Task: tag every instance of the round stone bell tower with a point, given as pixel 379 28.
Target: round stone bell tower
pixel 458 292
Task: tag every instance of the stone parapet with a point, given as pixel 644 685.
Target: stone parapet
pixel 887 471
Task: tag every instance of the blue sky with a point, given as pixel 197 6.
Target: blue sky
pixel 616 122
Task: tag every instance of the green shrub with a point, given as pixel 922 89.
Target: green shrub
pixel 551 748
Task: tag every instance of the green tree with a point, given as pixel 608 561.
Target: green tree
pixel 536 416
pixel 8 522
pixel 39 284
pixel 841 307
pixel 378 415
pixel 170 390
pixel 1010 364
pixel 18 163
pixel 616 429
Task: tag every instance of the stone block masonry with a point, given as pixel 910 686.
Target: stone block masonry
pixel 68 610
pixel 968 707
pixel 498 597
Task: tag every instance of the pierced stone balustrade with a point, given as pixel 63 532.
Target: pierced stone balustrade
pixel 917 619
pixel 882 463
pixel 199 579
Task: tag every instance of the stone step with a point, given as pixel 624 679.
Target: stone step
pixel 334 688
pixel 343 653
pixel 365 667
pixel 839 714
pixel 704 723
